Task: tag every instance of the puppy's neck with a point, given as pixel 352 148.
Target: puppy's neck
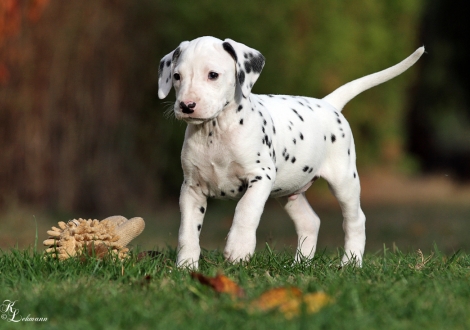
pixel 231 117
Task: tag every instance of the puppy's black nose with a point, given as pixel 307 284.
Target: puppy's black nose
pixel 187 108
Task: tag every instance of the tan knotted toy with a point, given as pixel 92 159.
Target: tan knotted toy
pixel 93 237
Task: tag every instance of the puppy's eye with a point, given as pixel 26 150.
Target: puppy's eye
pixel 176 76
pixel 213 75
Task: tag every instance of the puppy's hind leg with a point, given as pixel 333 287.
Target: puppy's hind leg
pixel 347 189
pixel 307 224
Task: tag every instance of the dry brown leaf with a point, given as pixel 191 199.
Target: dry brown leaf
pixel 220 283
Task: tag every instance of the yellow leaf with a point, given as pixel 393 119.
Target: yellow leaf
pixel 316 301
pixel 289 301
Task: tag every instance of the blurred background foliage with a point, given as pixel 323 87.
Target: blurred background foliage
pixel 83 131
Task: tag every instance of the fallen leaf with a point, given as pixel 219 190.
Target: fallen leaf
pixel 316 301
pixel 289 301
pixel 284 299
pixel 220 283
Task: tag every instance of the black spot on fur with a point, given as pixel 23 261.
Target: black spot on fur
pixel 310 171
pixel 354 175
pixel 241 77
pixel 268 177
pixel 222 193
pixel 240 107
pixel 264 122
pixel 324 137
pixel 258 177
pixel 301 136
pixel 349 152
pixel 300 117
pixel 160 68
pixel 343 135
pixel 210 133
pixel 228 47
pixel 339 121
pixel 258 161
pixel 293 160
pixel 199 227
pixel 202 209
pixel 305 169
pixel 295 141
pixel 254 181
pixel 176 55
pixel 255 63
pixel 333 138
pixel 241 121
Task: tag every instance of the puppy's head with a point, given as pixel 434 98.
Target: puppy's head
pixel 208 75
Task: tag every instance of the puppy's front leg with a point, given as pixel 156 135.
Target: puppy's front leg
pixel 193 206
pixel 241 240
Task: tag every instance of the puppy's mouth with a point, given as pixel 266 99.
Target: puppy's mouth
pixel 193 120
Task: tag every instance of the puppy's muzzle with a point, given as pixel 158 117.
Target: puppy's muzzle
pixel 187 107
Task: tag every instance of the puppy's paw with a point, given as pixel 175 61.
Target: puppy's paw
pixel 352 259
pixel 188 258
pixel 239 247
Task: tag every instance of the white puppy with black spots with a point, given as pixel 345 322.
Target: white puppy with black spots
pixel 250 147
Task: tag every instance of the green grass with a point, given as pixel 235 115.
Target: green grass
pixel 388 292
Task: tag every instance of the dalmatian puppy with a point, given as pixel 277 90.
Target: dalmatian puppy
pixel 249 147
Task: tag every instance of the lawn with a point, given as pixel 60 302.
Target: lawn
pixel 393 290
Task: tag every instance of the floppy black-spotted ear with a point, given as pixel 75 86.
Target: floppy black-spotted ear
pixel 165 70
pixel 248 61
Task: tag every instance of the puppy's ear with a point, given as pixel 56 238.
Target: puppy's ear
pixel 166 70
pixel 248 61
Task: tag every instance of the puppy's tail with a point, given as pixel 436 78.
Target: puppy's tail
pixel 347 92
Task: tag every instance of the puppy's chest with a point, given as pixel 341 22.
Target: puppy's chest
pixel 212 163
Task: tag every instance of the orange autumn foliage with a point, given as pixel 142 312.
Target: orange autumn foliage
pixel 290 301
